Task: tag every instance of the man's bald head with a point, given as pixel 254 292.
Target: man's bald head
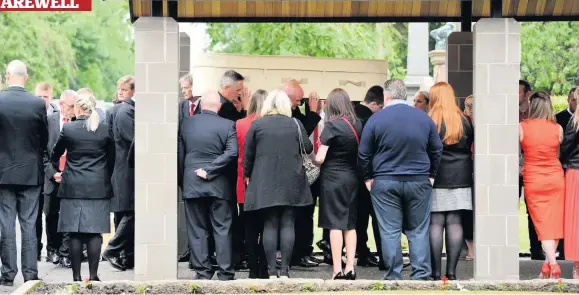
pixel 294 91
pixel 16 73
pixel 210 101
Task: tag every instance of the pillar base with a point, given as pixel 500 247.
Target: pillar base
pixel 438 60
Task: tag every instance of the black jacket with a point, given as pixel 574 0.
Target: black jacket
pixel 228 110
pixel 53 132
pixel 563 117
pixel 570 147
pixel 456 165
pixel 310 120
pixel 209 142
pixel 23 137
pixel 89 161
pixel 123 178
pixel 363 113
pixel 273 162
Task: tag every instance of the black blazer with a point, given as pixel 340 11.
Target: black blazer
pixel 563 117
pixel 89 161
pixel 310 120
pixel 123 178
pixel 228 110
pixel 209 142
pixel 49 170
pixel 570 146
pixel 456 165
pixel 184 109
pixel 23 137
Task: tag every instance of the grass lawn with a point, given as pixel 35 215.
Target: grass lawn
pixel 433 292
pixel 523 232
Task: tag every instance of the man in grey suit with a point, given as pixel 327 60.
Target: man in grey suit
pixel 24 133
pixel 207 150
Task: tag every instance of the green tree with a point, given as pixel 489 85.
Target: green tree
pixel 550 55
pixel 367 41
pixel 71 50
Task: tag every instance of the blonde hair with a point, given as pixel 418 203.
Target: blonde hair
pixel 575 121
pixel 256 103
pixel 277 103
pixel 87 103
pixel 541 106
pixel 85 90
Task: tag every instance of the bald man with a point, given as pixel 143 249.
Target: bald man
pixel 206 154
pixel 304 227
pixel 24 133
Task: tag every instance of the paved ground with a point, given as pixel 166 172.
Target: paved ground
pixel 52 273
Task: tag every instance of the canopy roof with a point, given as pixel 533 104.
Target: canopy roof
pixel 354 10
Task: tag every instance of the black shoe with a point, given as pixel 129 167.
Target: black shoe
pixel 339 276
pixel 306 262
pixel 241 265
pixel 7 283
pixel 436 278
pixel 316 260
pixel 76 279
pixel 451 277
pixel 55 258
pixel 351 275
pixel 65 262
pixel 39 257
pixel 115 262
pixel 328 259
pixel 129 263
pixel 381 265
pixel 94 279
pixel 190 265
pixel 368 260
pixel 324 246
pixel 185 257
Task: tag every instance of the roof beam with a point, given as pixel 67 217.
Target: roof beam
pixel 496 8
pixel 466 16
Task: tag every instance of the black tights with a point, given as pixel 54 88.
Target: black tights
pixel 450 223
pixel 94 243
pixel 278 220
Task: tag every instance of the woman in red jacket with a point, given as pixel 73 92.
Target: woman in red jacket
pixel 252 221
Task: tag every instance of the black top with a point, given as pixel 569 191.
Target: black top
pixel 228 110
pixel 563 118
pixel 310 120
pixel 209 142
pixel 363 113
pixel 456 165
pixel 343 146
pixel 570 147
pixel 23 137
pixel 123 179
pixel 89 161
pixel 273 162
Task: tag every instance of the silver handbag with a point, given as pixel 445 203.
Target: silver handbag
pixel 312 170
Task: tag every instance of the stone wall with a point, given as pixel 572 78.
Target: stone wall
pixel 459 64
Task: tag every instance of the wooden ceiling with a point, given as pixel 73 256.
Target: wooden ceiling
pixel 354 10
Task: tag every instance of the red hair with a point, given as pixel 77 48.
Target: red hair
pixel 443 108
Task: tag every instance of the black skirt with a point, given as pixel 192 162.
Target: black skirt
pixel 84 216
pixel 338 199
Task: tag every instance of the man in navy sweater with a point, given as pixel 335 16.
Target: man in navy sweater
pixel 400 153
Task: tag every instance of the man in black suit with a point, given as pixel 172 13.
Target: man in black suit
pixel 564 116
pixel 57 243
pixel 190 105
pixel 24 133
pixel 123 181
pixel 304 226
pixel 234 97
pixel 207 150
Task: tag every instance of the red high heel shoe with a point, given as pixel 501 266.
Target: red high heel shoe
pixel 545 271
pixel 555 271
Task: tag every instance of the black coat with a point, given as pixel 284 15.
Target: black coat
pixel 570 146
pixel 273 162
pixel 563 117
pixel 228 110
pixel 89 161
pixel 123 178
pixel 310 120
pixel 456 165
pixel 23 137
pixel 53 132
pixel 209 142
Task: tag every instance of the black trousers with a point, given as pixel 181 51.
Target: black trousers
pixel 55 241
pixel 365 210
pixel 210 217
pixel 304 226
pixel 238 234
pixel 124 238
pixel 39 221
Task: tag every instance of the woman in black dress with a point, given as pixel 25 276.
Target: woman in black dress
pixel 339 179
pixel 85 188
pixel 277 184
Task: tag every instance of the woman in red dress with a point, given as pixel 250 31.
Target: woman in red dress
pixel 540 137
pixel 570 156
pixel 252 222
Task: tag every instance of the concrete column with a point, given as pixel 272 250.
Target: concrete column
pixel 417 72
pixel 459 64
pixel 156 116
pixel 497 56
pixel 184 68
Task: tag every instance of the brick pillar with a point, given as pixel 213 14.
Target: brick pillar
pixel 496 73
pixel 459 64
pixel 184 68
pixel 156 98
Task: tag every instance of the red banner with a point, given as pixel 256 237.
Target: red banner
pixel 45 5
